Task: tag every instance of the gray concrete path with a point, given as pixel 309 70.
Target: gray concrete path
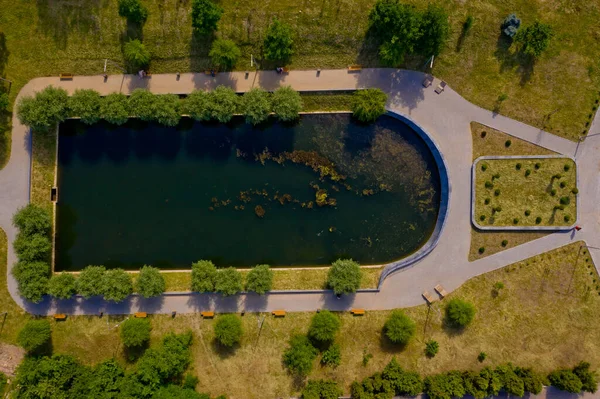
pixel 446 118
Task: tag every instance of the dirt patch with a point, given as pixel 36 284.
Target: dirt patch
pixel 10 357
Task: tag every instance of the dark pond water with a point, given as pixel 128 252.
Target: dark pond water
pixel 302 194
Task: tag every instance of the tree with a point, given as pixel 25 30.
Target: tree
pixel 166 111
pixel 589 379
pixel 224 53
pixel 62 286
pixel 286 103
pixel 565 380
pixel 45 110
pixel 222 104
pixel 399 328
pixel 321 389
pixel 135 332
pixel 133 10
pixel 196 105
pixel 324 326
pixel 32 279
pixel 34 335
pixel 204 276
pixel 114 109
pixel 368 104
pixel 116 285
pixel 459 313
pixel 136 54
pixel 142 104
pixel 205 16
pixel 344 277
pixel 534 39
pixel 257 106
pixel 445 386
pixel 259 279
pixel 89 283
pixel 85 104
pixel 332 356
pixel 32 219
pixel 532 381
pixel 511 382
pixel 48 377
pixel 228 330
pixel 35 247
pixel 435 30
pixel 150 282
pixel 3 106
pixel 278 42
pixel 228 281
pixel 404 383
pixel 299 357
pixel 431 348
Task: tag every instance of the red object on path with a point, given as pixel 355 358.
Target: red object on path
pixel 577 228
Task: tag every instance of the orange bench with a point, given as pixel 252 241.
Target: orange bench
pixel 66 76
pixel 354 68
pixel 207 314
pixel 60 317
pixel 140 315
pixel 278 313
pixel 358 312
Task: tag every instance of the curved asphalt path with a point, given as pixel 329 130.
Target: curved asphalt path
pixel 445 117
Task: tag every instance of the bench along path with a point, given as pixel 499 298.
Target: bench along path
pixel 445 117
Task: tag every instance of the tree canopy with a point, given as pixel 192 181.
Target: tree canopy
pixel 278 42
pixel 321 389
pixel 222 104
pixel 133 10
pixel 32 279
pixel 368 104
pixel 224 53
pixel 286 103
pixel 85 103
pixel 399 328
pixel 459 313
pixel 32 219
pixel 534 39
pixel 228 330
pixel 150 282
pixel 89 282
pixel 257 105
pixel 135 53
pixel 62 286
pixel 324 326
pixel 34 335
pixel 204 276
pixel 116 285
pixel 196 105
pixel 300 355
pixel 205 16
pixel 344 276
pixel 259 279
pixel 32 248
pixel 135 332
pixel 114 108
pixel 228 281
pixel 45 110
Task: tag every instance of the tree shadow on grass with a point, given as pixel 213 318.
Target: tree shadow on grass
pixel 199 48
pixel 511 59
pixel 223 351
pixel 388 346
pixel 450 329
pixel 4 53
pixel 133 353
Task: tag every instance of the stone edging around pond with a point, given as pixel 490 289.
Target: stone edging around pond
pixel 445 188
pixel 520 228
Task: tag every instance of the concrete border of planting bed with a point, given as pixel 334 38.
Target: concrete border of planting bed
pixel 474 170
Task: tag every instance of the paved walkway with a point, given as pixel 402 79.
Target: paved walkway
pixel 446 117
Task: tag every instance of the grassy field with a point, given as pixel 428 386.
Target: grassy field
pixel 527 192
pixel 557 289
pixel 492 142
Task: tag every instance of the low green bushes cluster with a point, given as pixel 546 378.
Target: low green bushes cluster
pixel 52 105
pixel 321 389
pixel 207 278
pixel 399 328
pixel 387 384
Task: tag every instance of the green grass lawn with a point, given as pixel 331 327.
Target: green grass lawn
pixel 527 191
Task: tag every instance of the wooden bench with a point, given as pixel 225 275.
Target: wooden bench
pixel 140 315
pixel 440 88
pixel 358 312
pixel 60 317
pixel 207 314
pixel 440 290
pixel 428 297
pixel 354 68
pixel 278 313
pixel 427 81
pixel 66 76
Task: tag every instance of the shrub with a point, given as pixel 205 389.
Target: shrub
pixel 566 380
pixel 527 212
pixel 62 286
pixel 534 39
pixel 32 219
pixel 31 248
pixel 489 184
pixel 286 103
pixel 498 208
pixel 459 313
pixel 196 105
pixel 150 282
pixel 504 243
pixel 482 217
pixel 3 106
pixel 567 218
pixel 321 389
pixel 399 328
pixel 114 109
pixel 507 143
pixel 487 201
pixel 565 200
pixel 553 192
pixel 566 167
pixel 496 176
pixel 32 279
pixel 527 172
pixel 344 276
pixel 516 221
pixel 278 42
pixel 257 105
pixel 445 386
pixel 204 275
pixel 537 165
pixel 224 53
pixel 332 356
pixel 86 105
pixel 368 104
pixel 324 326
pixel 133 10
pixel 589 379
pixel 497 192
pixel 431 348
pixel 89 282
pixel 532 381
pixel 45 110
pixel 136 54
pixel 135 332
pixel 166 109
pixel 228 330
pixel 563 184
pixel 116 285
pixel 518 166
pixel 34 335
pixel 259 279
pixel 205 16
pixel 482 356
pixel 511 25
pixel 222 104
pixel 481 250
pixel 404 383
pixel 141 103
pixel 299 357
pixel 228 281
pixel 484 167
pixel 575 190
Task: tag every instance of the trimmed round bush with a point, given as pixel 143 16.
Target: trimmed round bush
pixel 497 192
pixel 222 104
pixel 575 190
pixel 565 200
pixel 287 104
pixel 34 335
pixel 459 313
pixel 228 281
pixel 504 243
pixel 487 201
pixel 90 280
pixel 204 276
pixel 567 218
pixel 507 143
pixel 563 184
pixel 399 328
pixel 114 109
pixel 136 54
pixel 368 104
pixel 196 105
pixel 45 110
pixel 344 276
pixel 62 286
pixel 431 348
pixel 133 10
pixel 135 332
pixel 116 285
pixel 553 192
pixel 300 355
pixel 537 165
pixel 481 250
pixel 489 184
pixel 484 167
pixel 32 219
pixel 150 282
pixel 482 218
pixel 527 172
pixel 224 53
pixel 228 330
pixel 260 279
pixel 278 42
pixel 324 326
pixel 257 106
pixel 516 221
pixel 205 16
pixel 527 212
pixel 518 166
pixel 566 167
pixel 85 104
